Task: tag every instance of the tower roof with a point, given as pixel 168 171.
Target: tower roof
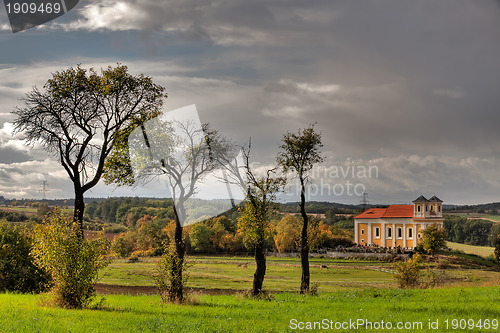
pixel 420 199
pixel 435 199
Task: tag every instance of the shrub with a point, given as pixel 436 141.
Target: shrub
pixel 115 229
pixel 496 244
pixel 133 259
pixel 408 272
pixel 166 274
pixel 17 270
pixel 72 261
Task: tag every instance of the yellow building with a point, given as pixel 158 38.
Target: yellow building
pixel 397 225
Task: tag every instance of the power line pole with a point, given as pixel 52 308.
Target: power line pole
pixel 44 189
pixel 364 202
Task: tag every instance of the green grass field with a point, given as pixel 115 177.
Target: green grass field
pixel 286 312
pixel 236 273
pixel 483 251
pixel 478 215
pixel 18 209
pixel 283 274
pixel 28 210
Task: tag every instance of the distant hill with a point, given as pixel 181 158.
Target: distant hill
pixel 315 207
pixel 490 208
pixel 319 207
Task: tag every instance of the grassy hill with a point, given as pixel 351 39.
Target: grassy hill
pixel 483 251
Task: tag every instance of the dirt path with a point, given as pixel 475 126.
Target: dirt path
pixel 108 289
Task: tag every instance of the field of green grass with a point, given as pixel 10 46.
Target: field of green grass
pixel 283 274
pixel 236 273
pixel 20 209
pixel 286 312
pixel 483 251
pixel 28 210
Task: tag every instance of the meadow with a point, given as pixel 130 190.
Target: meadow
pixel 411 310
pixel 483 251
pixel 351 295
pixel 494 218
pixel 236 273
pixel 233 274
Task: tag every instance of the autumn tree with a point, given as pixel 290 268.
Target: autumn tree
pixel 433 239
pixel 77 116
pixel 254 221
pixel 299 153
pixel 200 238
pixel 287 235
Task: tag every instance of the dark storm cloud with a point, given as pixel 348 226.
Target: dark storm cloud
pixel 12 155
pixel 386 81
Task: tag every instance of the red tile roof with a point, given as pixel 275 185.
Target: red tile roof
pixel 393 211
pixel 399 211
pixel 372 213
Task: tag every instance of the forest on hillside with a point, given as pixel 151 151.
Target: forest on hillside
pixel 141 226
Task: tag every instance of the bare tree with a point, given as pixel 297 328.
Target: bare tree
pixel 78 115
pixel 177 146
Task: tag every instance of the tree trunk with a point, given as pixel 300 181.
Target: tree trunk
pixel 304 248
pixel 177 286
pixel 78 211
pixel 260 271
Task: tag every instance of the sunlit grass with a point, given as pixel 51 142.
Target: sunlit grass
pixel 23 313
pixel 483 251
pixel 236 273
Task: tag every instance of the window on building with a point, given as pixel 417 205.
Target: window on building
pixel 410 233
pixel 399 233
pixel 362 231
pixel 439 208
pixel 432 208
pixel 389 232
pixel 426 207
pixel 362 241
pixel 418 236
pixel 377 232
pixel 418 208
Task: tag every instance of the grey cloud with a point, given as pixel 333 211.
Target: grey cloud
pixel 22 180
pixel 399 179
pixel 452 94
pixel 383 79
pixel 11 155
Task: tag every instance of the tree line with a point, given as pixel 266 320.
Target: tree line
pixel 222 235
pixel 472 232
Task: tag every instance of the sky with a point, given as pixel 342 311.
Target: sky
pixel 404 93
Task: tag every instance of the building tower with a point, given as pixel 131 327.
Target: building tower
pixel 436 207
pixel 421 207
